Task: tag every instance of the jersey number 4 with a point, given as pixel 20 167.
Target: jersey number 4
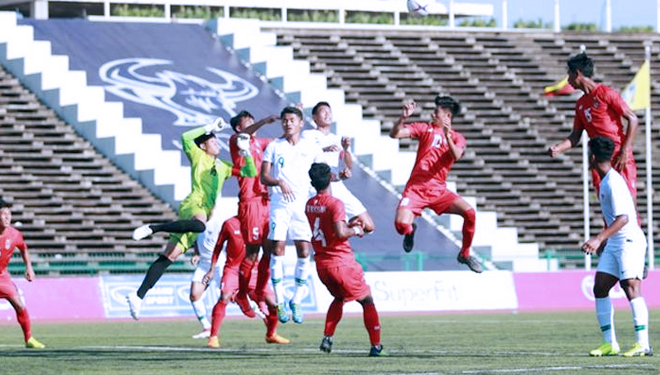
pixel 318 236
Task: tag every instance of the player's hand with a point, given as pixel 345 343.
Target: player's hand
pixel 194 260
pixel 408 109
pixel 208 277
pixel 271 119
pixel 216 126
pixel 243 144
pixel 591 246
pixel 287 193
pixel 621 160
pixel 345 174
pixel 29 274
pixel 356 226
pixel 345 143
pixel 553 151
pixel 332 148
pixel 300 107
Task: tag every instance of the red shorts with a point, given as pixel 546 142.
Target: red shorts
pixel 253 215
pixel 7 287
pixel 345 281
pixel 415 200
pixel 629 174
pixel 230 283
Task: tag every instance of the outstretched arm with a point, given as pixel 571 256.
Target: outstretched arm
pixel 568 143
pixel 399 130
pixel 257 125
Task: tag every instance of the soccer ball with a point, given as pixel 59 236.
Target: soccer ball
pixel 417 9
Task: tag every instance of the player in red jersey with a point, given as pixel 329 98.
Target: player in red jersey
pixel 439 147
pixel 599 112
pixel 335 262
pixel 10 239
pixel 231 234
pixel 253 207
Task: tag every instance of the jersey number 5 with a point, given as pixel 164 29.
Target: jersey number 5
pixel 318 234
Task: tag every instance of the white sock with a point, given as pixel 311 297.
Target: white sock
pixel 301 275
pixel 200 313
pixel 277 276
pixel 640 315
pixel 605 315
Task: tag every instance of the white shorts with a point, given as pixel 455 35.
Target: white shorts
pixel 352 205
pixel 204 266
pixel 623 261
pixel 289 218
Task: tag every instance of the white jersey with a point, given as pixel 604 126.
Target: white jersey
pixel 615 200
pixel 331 158
pixel 291 164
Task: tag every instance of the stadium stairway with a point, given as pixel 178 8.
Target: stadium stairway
pixel 377 152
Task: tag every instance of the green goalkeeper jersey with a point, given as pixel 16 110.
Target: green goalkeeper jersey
pixel 208 173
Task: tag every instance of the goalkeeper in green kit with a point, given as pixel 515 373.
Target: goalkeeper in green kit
pixel 208 174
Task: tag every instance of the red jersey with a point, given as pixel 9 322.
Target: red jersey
pixel 250 187
pixel 323 210
pixel 434 159
pixel 231 234
pixel 599 113
pixel 10 239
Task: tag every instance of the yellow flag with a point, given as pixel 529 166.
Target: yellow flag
pixel 638 92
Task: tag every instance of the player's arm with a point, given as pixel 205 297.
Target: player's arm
pixel 188 138
pixel 594 243
pixel 456 150
pixel 268 180
pixel 628 143
pixel 222 238
pixel 257 125
pixel 566 144
pixel 399 130
pixel 29 271
pixel 343 231
pixel 194 259
pixel 348 158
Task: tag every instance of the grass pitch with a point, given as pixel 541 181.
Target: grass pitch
pixel 501 343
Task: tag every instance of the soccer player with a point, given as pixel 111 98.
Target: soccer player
pixel 253 207
pixel 284 170
pixel 231 234
pixel 439 147
pixel 208 174
pixel 600 112
pixel 621 246
pixel 202 260
pixel 10 239
pixel 335 262
pixel 336 148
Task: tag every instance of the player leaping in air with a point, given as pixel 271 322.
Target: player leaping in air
pixel 439 147
pixel 208 175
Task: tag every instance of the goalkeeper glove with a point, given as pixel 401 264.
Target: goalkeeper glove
pixel 243 143
pixel 216 126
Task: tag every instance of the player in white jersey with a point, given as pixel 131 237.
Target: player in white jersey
pixel 336 149
pixel 621 246
pixel 284 170
pixel 202 259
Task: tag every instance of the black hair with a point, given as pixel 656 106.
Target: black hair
pixel 203 138
pixel 234 121
pixel 293 110
pixel 4 203
pixel 318 106
pixel 320 175
pixel 602 148
pixel 449 103
pixel 581 62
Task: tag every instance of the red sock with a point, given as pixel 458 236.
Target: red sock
pixel 469 223
pixel 218 316
pixel 244 275
pixel 263 275
pixel 271 321
pixel 403 228
pixel 372 323
pixel 24 320
pixel 335 311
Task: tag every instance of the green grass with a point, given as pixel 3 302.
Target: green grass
pixel 419 344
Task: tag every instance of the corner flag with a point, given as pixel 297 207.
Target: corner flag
pixel 638 92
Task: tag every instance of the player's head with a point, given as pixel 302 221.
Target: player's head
pixel 580 64
pixel 601 149
pixel 209 143
pixel 292 121
pixel 241 121
pixel 446 109
pixel 319 173
pixel 322 114
pixel 5 213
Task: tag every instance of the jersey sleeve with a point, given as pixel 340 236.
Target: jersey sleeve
pixel 222 238
pixel 416 129
pixel 615 102
pixel 20 242
pixel 459 140
pixel 620 198
pixel 227 169
pixel 269 153
pixel 233 150
pixel 191 150
pixel 338 211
